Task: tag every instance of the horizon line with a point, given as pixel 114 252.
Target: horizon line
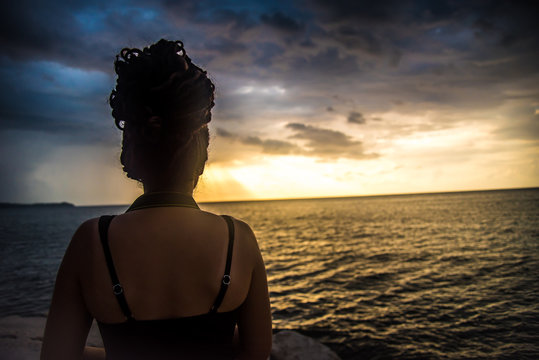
pixel 342 196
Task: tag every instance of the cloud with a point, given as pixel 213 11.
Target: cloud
pixel 385 11
pixel 225 46
pixel 327 63
pixel 48 97
pixel 326 143
pixel 267 146
pixel 524 125
pixel 272 146
pixel 355 37
pixel 77 34
pixel 356 118
pixel 318 142
pixel 224 133
pixel 282 22
pixel 238 21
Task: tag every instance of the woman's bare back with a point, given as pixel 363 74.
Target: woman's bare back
pixel 170 262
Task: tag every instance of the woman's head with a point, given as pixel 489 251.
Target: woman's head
pixel 162 102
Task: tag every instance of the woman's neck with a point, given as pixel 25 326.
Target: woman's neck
pixel 183 188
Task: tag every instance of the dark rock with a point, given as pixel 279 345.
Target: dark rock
pixel 290 345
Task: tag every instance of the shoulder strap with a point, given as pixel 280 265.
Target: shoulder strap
pixel 226 277
pixel 117 289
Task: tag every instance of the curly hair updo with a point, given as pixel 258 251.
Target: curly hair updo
pixel 162 102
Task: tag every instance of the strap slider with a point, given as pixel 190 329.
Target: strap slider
pixel 226 280
pixel 117 289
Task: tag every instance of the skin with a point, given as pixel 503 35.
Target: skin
pixel 170 261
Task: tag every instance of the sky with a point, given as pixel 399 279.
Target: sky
pixel 313 98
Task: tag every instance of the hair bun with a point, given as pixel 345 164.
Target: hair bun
pixel 161 80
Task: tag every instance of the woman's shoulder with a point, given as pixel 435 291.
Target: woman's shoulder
pixel 248 242
pixel 84 240
pixel 243 231
pixel 244 237
pixel 86 231
pixel 247 233
pixel 79 245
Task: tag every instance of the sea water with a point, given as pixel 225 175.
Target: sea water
pixel 447 276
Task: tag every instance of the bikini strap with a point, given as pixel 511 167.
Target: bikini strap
pixel 117 289
pixel 226 277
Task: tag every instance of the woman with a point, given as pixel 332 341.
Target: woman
pixel 165 279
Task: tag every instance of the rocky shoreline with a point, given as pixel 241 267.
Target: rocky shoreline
pixel 20 339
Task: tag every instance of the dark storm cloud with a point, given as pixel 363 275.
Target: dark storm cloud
pixel 239 21
pixel 324 64
pixel 326 143
pixel 265 54
pixel 225 46
pixel 355 37
pixel 77 33
pixel 447 31
pixel 26 31
pixel 50 98
pixel 509 24
pixel 282 22
pixel 385 11
pixel 87 34
pixel 213 19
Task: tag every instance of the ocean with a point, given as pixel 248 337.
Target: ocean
pixel 430 276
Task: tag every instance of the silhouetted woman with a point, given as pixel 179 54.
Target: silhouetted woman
pixel 165 280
